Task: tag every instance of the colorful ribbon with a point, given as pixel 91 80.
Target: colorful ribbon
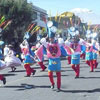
pixel 2 19
pixel 9 22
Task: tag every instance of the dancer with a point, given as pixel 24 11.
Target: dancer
pixel 53 54
pixel 6 50
pixel 11 60
pixel 40 62
pixel 28 58
pixel 2 66
pixel 67 42
pixel 89 50
pixel 76 47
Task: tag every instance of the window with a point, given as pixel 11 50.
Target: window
pixel 34 15
pixel 42 17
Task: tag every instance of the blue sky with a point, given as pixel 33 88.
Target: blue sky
pixel 61 6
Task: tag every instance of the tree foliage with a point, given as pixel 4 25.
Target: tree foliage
pixel 20 12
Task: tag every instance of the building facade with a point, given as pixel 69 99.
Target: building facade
pixel 39 17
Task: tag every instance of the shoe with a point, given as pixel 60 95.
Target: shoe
pixel 91 71
pixel 4 81
pixel 58 90
pixel 13 69
pixel 52 86
pixel 45 68
pixel 34 72
pixel 96 65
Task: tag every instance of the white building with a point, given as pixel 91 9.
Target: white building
pixel 38 15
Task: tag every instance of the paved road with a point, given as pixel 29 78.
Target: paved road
pixel 87 87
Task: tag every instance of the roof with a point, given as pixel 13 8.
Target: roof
pixel 38 9
pixel 67 14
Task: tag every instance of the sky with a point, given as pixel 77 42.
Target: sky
pixel 61 6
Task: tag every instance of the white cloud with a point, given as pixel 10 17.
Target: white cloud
pixel 81 10
pixel 86 15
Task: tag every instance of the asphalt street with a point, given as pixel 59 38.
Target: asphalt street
pixel 37 87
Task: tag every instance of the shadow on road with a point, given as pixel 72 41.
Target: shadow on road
pixel 89 77
pixel 18 71
pixel 47 75
pixel 29 86
pixel 9 75
pixel 25 87
pixel 81 91
pixel 97 71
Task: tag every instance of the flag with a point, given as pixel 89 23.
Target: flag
pixel 95 28
pixel 79 21
pixel 84 28
pixel 35 29
pixel 50 15
pixel 39 53
pixel 9 22
pixel 60 18
pixel 71 22
pixel 2 24
pixel 89 24
pixel 69 50
pixel 31 27
pixel 56 17
pixel 2 19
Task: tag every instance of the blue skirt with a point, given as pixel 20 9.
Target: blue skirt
pixel 89 56
pixel 54 64
pixel 94 55
pixel 75 59
pixel 28 59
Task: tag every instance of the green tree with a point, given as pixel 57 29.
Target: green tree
pixel 20 12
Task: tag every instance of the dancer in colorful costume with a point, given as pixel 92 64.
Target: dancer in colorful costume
pixel 2 66
pixel 89 50
pixel 53 54
pixel 95 53
pixel 11 60
pixel 76 47
pixel 40 62
pixel 62 44
pixel 28 58
pixel 83 53
pixel 67 42
pixel 2 63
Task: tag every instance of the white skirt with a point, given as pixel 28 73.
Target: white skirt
pixel 12 61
